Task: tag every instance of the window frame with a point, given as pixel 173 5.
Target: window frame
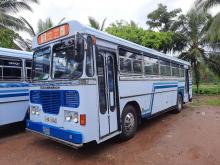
pixel 140 59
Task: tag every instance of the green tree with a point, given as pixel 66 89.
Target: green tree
pixel 166 21
pixel 161 19
pixel 194 28
pixel 130 31
pixel 206 4
pixel 9 8
pixel 214 30
pixel 95 24
pixel 44 25
pixel 7 38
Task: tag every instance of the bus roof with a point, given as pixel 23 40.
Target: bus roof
pixel 15 53
pixel 75 27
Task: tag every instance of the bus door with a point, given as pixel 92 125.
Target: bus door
pixel 106 73
pixel 187 84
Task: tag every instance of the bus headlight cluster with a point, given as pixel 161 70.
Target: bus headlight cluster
pixel 71 116
pixel 35 110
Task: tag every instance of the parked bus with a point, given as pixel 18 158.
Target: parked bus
pixel 91 86
pixel 15 72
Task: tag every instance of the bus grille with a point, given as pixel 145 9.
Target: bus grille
pixel 51 101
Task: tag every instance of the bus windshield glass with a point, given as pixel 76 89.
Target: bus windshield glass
pixel 41 64
pixel 66 64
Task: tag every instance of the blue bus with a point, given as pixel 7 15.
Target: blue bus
pixel 91 86
pixel 15 74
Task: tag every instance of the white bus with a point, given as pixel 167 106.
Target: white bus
pixel 15 72
pixel 91 86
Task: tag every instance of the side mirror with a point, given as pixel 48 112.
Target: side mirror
pixel 79 48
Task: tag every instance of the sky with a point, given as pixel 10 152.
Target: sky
pixel 113 10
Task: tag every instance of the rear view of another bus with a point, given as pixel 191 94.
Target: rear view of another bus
pixel 15 71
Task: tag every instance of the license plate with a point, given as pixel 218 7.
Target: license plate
pixel 50 120
pixel 46 131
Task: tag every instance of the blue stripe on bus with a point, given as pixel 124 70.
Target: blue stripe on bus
pixel 14 95
pixel 14 91
pixel 165 86
pixel 66 135
pixel 8 85
pixel 160 85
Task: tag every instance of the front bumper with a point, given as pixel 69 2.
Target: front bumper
pixel 71 138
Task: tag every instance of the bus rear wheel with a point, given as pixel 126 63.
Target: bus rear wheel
pixel 129 123
pixel 179 104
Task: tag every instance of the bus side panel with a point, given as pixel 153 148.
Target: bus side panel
pixel 139 91
pixel 164 99
pixel 13 112
pixel 152 96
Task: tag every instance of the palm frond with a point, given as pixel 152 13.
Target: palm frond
pixel 14 6
pixel 93 23
pixel 11 22
pixel 61 20
pixel 29 29
pixel 206 4
pixel 103 24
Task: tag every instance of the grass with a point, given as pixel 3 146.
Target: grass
pixel 206 100
pixel 214 102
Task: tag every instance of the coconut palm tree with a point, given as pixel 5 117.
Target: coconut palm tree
pixel 206 4
pixel 95 24
pixel 194 28
pixel 214 30
pixel 10 7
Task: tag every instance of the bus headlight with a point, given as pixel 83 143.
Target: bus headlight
pixel 71 116
pixel 35 110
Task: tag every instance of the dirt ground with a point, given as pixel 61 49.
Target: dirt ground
pixel 189 138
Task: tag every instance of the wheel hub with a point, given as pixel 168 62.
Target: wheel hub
pixel 129 122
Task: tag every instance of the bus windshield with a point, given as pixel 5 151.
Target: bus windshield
pixel 66 64
pixel 41 64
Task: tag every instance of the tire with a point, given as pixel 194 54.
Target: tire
pixel 129 123
pixel 179 104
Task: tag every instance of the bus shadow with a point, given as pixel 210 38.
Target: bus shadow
pixel 92 149
pixel 11 130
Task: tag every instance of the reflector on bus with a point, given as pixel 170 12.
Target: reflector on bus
pixel 52 34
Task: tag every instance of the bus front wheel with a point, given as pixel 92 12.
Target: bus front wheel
pixel 129 122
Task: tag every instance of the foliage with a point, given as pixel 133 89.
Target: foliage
pixel 7 38
pixel 8 8
pixel 130 31
pixel 210 89
pixel 206 4
pixel 161 19
pixel 165 21
pixel 194 27
pixel 95 24
pixel 44 25
pixel 213 35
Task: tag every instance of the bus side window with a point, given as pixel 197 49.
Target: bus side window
pixel 11 69
pixel 165 69
pixel 89 58
pixel 151 66
pixel 175 70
